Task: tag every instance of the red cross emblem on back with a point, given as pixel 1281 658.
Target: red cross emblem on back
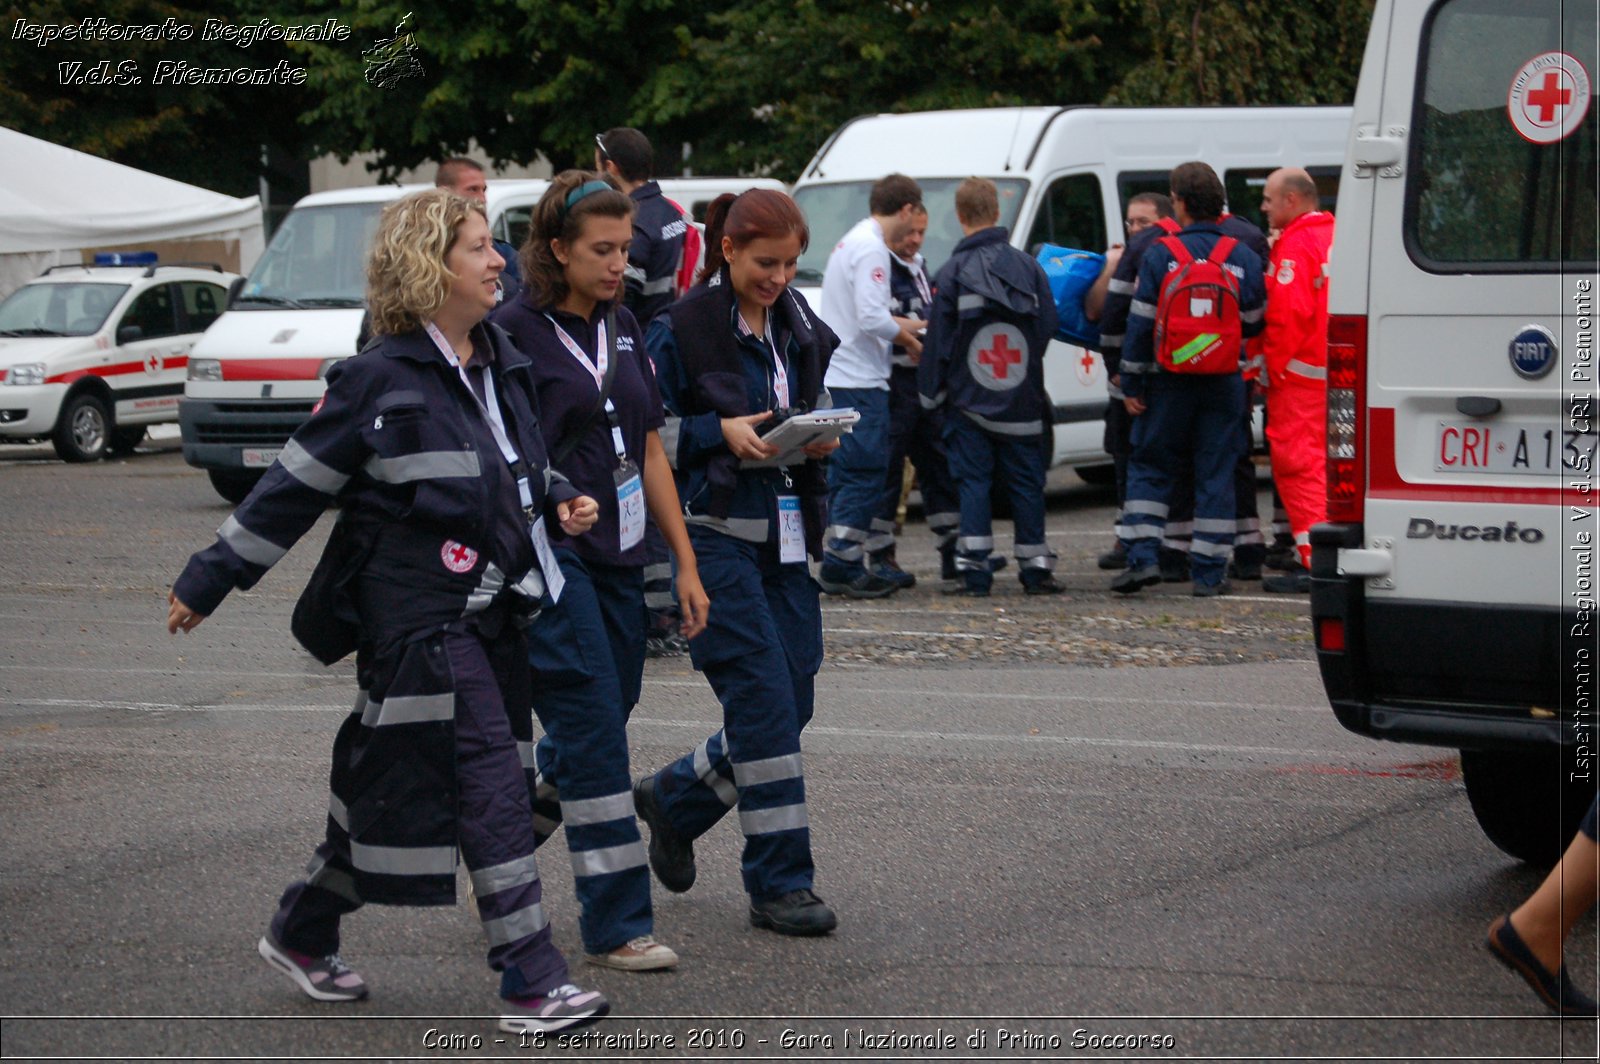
pixel 1548 97
pixel 1000 357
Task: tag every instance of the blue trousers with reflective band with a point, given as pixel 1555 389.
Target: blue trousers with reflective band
pixel 587 655
pixel 977 458
pixel 916 434
pixel 1193 423
pixel 855 481
pixel 760 651
pixel 494 824
pixel 1249 546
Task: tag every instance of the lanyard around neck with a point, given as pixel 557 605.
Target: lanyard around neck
pixel 780 376
pixel 489 407
pixel 597 370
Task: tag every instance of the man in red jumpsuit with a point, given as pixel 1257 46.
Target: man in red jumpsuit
pixel 1296 344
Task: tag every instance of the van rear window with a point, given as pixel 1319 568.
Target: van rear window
pixel 1496 181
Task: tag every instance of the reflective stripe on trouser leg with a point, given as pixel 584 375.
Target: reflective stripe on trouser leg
pixel 1020 465
pixel 599 636
pixel 880 536
pixel 1216 443
pixel 971 454
pixel 309 911
pixel 1154 470
pixel 1249 547
pixel 856 473
pixel 494 815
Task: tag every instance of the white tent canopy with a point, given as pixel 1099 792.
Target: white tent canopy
pixel 56 202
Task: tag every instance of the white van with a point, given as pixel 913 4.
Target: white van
pixel 1065 175
pixel 694 194
pixel 1453 588
pixel 257 373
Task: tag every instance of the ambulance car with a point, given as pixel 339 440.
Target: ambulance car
pixel 1453 587
pixel 92 356
pixel 1065 175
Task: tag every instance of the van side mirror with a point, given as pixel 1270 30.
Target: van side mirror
pixel 127 334
pixel 234 289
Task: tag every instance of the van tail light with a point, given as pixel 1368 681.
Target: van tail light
pixel 1347 420
pixel 1330 634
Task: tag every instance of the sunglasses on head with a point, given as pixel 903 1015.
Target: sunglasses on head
pixel 599 142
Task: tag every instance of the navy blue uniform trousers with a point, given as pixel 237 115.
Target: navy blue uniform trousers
pixel 976 457
pixel 760 651
pixel 917 434
pixel 587 655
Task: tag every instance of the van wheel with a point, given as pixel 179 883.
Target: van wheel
pixel 83 431
pixel 232 486
pixel 125 439
pixel 1101 476
pixel 1523 802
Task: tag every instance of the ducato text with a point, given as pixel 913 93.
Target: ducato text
pixel 1422 528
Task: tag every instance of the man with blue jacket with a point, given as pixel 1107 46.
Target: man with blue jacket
pixel 993 316
pixel 1184 419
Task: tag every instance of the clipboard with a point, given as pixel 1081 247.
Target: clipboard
pixel 802 430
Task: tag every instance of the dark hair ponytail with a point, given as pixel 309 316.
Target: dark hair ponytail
pixel 757 213
pixel 716 217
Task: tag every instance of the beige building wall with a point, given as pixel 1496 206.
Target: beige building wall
pixel 329 173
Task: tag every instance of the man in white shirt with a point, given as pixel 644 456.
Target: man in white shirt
pixel 856 304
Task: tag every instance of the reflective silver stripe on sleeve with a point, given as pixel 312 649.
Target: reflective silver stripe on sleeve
pixel 767 821
pixel 749 529
pixel 660 286
pixel 1111 339
pixel 670 432
pixel 1136 367
pixel 1252 315
pixel 309 471
pixel 617 806
pixel 658 600
pixel 974 543
pixel 525 755
pixel 1307 370
pixel 531 586
pixel 1122 288
pixel 1006 428
pixel 249 546
pixel 609 859
pixel 724 788
pixel 489 585
pixel 768 770
pixel 1141 308
pixel 410 709
pixel 658 571
pixel 318 874
pixel 1145 506
pixel 970 301
pixel 404 860
pixel 500 877
pixel 931 402
pixel 903 361
pixel 634 273
pixel 424 465
pixel 1113 391
pixel 1211 550
pixel 1215 525
pixel 521 924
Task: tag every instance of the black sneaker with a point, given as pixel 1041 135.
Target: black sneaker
pixel 799 912
pixel 1174 567
pixel 1126 583
pixel 1113 559
pixel 1221 587
pixel 1282 559
pixel 865 585
pixel 671 857
pixel 1047 586
pixel 998 562
pixel 884 565
pixel 1238 570
pixel 1290 583
pixel 967 591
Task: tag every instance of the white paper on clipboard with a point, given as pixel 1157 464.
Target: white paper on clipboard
pixel 802 430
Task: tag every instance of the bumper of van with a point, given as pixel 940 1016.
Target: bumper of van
pixel 238 433
pixel 1457 674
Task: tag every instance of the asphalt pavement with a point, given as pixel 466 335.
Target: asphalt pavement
pixel 1053 829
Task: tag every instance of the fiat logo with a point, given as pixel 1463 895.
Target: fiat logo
pixel 1533 352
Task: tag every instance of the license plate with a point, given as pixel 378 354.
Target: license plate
pixel 261 459
pixel 1517 447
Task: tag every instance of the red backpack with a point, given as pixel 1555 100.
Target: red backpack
pixel 1197 314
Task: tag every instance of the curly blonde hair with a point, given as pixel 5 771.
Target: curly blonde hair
pixel 407 280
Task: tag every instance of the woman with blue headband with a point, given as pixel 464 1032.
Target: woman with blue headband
pixel 600 414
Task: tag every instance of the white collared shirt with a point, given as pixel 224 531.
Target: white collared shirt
pixel 856 305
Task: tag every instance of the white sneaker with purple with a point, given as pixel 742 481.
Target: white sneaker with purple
pixel 322 978
pixel 554 1010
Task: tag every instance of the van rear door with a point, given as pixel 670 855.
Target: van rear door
pixel 1479 381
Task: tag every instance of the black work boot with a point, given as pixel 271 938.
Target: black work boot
pixel 799 912
pixel 671 856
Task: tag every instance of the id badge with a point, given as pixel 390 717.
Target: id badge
pixel 553 580
pixel 630 505
pixel 791 530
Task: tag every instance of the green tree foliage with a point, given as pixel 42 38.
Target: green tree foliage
pixel 210 136
pixel 1244 52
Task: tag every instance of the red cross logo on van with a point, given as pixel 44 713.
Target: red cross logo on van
pixel 1549 97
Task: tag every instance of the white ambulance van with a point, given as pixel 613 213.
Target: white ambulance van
pixel 260 368
pixel 694 194
pixel 1453 586
pixel 1065 175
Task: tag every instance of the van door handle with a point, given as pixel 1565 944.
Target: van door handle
pixel 1477 405
pixel 1372 152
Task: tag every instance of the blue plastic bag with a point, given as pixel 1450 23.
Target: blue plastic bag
pixel 1072 273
